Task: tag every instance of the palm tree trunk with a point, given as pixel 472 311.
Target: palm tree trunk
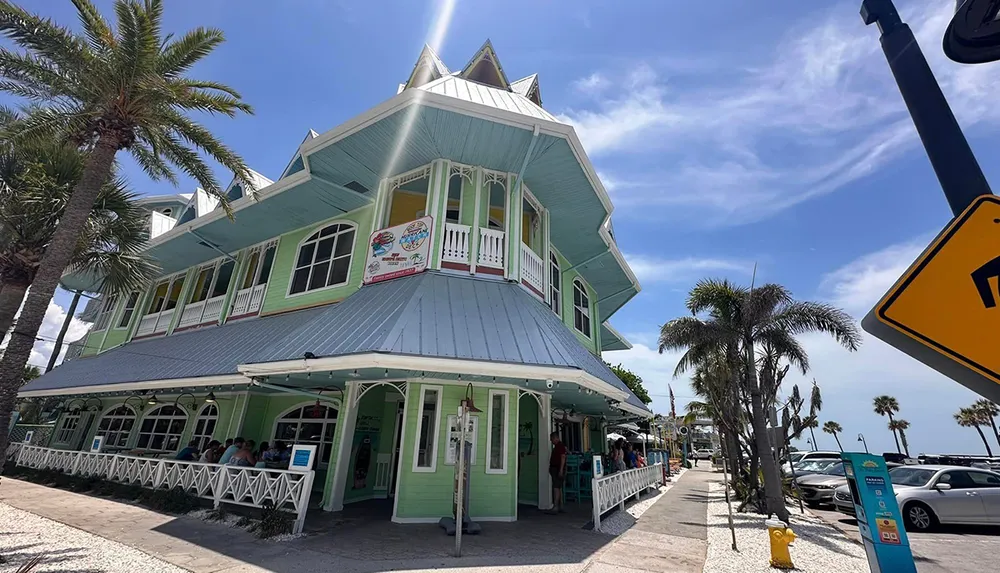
pixel 993 423
pixel 10 300
pixel 57 257
pixel 62 331
pixel 895 435
pixel 906 447
pixel 989 452
pixel 773 492
pixel 836 437
pixel 813 435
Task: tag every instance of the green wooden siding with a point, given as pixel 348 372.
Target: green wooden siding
pixel 429 495
pixel 284 262
pixel 593 343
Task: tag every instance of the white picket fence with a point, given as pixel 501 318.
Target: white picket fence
pixel 612 490
pixel 251 487
pixel 12 450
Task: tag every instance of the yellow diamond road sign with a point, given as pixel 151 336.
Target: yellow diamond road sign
pixel 945 309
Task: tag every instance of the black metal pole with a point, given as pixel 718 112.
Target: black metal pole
pixel 951 157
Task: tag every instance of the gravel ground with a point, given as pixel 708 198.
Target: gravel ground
pixel 819 547
pixel 619 522
pixel 62 548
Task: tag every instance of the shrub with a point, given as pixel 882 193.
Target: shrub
pixel 274 521
pixel 169 500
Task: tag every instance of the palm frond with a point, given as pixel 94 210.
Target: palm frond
pixel 800 317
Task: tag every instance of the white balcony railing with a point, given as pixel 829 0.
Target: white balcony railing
pixel 248 300
pixel 532 269
pixel 491 248
pixel 614 489
pixel 457 243
pixel 154 323
pixel 202 312
pixel 254 487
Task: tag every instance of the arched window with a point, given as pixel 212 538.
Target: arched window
pixel 555 285
pixel 204 425
pixel 162 428
pixel 324 259
pixel 581 309
pixel 309 424
pixel 116 426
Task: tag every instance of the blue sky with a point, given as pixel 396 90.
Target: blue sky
pixel 727 138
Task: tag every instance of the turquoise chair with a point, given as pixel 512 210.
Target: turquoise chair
pixel 571 490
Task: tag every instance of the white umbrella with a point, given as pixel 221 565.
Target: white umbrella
pixel 615 437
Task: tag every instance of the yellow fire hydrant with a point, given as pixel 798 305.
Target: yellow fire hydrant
pixel 781 537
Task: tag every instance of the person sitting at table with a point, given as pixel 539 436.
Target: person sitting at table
pixel 283 453
pixel 189 453
pixel 244 457
pixel 212 453
pixel 231 450
pixel 631 460
pixel 259 454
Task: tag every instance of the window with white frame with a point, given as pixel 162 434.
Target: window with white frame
pixel 309 424
pixel 258 267
pixel 324 259
pixel 116 426
pixel 425 453
pixel 133 299
pixel 162 428
pixel 496 439
pixel 581 309
pixel 212 280
pixel 453 212
pixel 555 285
pixel 67 428
pixel 107 309
pixel 204 425
pixel 165 295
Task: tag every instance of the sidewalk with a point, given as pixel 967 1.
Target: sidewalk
pixel 665 539
pixel 671 536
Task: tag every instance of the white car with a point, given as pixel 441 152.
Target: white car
pixel 703 454
pixel 932 495
pixel 800 457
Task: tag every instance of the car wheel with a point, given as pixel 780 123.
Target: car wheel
pixel 918 517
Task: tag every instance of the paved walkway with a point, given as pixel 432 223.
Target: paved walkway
pixel 663 540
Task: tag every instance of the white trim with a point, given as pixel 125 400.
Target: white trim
pixel 477 185
pixel 437 422
pixel 506 430
pixel 152 432
pixel 146 385
pixel 135 307
pixel 402 447
pixel 338 477
pixel 615 333
pixel 132 430
pixel 295 260
pixel 333 402
pixel 434 364
pixel 585 291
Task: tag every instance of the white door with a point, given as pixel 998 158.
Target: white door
pixel 988 490
pixel 960 504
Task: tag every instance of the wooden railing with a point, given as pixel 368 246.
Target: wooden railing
pixel 154 323
pixel 202 312
pixel 532 269
pixel 457 243
pixel 248 300
pixel 491 248
pixel 612 490
pixel 253 487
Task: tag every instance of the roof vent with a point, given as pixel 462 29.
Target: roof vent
pixel 355 186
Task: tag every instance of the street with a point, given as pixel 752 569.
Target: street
pixel 950 550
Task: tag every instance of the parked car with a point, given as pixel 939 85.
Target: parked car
pixel 808 468
pixel 703 454
pixel 801 457
pixel 818 488
pixel 931 495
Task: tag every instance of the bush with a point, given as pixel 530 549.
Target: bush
pixel 274 521
pixel 169 500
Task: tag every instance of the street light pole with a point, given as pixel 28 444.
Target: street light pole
pixel 861 438
pixel 957 170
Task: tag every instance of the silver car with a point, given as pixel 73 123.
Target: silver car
pixel 932 495
pixel 818 488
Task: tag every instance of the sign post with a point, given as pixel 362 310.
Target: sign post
pixel 879 518
pixel 944 310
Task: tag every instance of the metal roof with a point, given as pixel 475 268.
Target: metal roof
pixel 432 314
pixel 460 88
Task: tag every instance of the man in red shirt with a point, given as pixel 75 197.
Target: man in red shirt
pixel 557 471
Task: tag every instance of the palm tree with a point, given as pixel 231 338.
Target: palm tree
pixel 30 373
pixel 989 412
pixel 811 423
pixel 107 90
pixel 901 426
pixel 833 428
pixel 887 406
pixel 815 405
pixel 971 418
pixel 37 178
pixel 738 321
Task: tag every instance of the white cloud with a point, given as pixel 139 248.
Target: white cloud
pixel 656 370
pixel 650 269
pixel 825 103
pixel 591 83
pixel 858 285
pixel 55 315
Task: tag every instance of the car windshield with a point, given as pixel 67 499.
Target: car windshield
pixel 910 476
pixel 795 456
pixel 834 469
pixel 814 465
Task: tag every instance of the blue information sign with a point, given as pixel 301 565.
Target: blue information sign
pixel 879 518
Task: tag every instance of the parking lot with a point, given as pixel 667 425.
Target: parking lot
pixel 950 550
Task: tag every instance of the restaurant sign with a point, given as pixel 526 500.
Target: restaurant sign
pixel 398 251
